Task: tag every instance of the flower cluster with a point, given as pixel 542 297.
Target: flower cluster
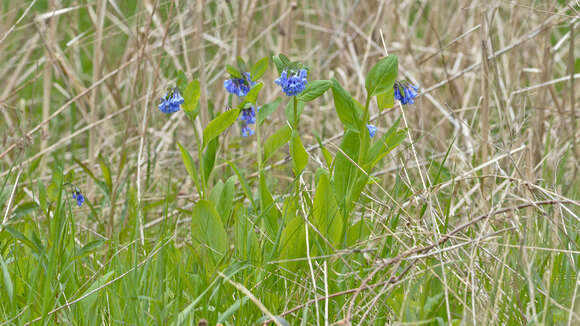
pixel 248 117
pixel 372 130
pixel 78 196
pixel 294 84
pixel 171 102
pixel 239 86
pixel 405 92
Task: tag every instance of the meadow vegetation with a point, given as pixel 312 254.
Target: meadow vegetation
pixel 176 162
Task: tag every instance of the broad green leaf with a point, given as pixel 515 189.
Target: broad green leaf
pixel 290 110
pixel 259 68
pixel 209 157
pixel 22 238
pixel 207 229
pixel 279 64
pixel 293 244
pixel 222 195
pixel 233 71
pixel 386 100
pixel 348 113
pixel 218 125
pixel 382 75
pixel 298 154
pixel 277 140
pixel 252 95
pixel 284 59
pixel 246 241
pixel 69 177
pixel 89 247
pixel 270 212
pixel 391 139
pixel 24 209
pixel 241 64
pixel 327 218
pixel 89 301
pixel 314 89
pixel 181 80
pixel 245 186
pixel 191 96
pixel 267 109
pixel 345 171
pixel 357 233
pixel 190 166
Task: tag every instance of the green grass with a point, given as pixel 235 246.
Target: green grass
pixel 309 220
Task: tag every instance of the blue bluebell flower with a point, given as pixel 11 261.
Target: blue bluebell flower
pixel 239 86
pixel 248 117
pixel 246 131
pixel 171 102
pixel 405 92
pixel 372 130
pixel 294 84
pixel 78 196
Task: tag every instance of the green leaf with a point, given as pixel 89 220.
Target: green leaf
pixel 298 154
pixel 7 280
pixel 386 100
pixel 327 218
pixel 267 109
pixel 344 170
pixel 279 64
pixel 42 195
pixel 89 301
pixel 382 75
pixel 391 139
pixel 357 233
pixel 245 186
pixel 181 80
pixel 277 140
pixel 284 59
pixel 348 113
pixel 207 229
pixel 69 177
pixel 209 158
pixel 191 96
pixel 89 247
pixel 252 95
pixel 270 212
pixel 290 110
pixel 190 166
pixel 106 170
pixel 246 241
pixel 259 68
pixel 233 71
pixel 314 89
pixel 293 243
pixel 241 64
pixel 218 125
pixel 222 195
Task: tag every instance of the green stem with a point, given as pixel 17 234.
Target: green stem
pixel 295 113
pixel 366 112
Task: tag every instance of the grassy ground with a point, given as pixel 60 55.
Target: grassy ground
pixel 472 219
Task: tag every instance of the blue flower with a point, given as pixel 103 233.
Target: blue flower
pixel 294 84
pixel 405 92
pixel 78 196
pixel 239 86
pixel 171 102
pixel 248 117
pixel 246 131
pixel 372 130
